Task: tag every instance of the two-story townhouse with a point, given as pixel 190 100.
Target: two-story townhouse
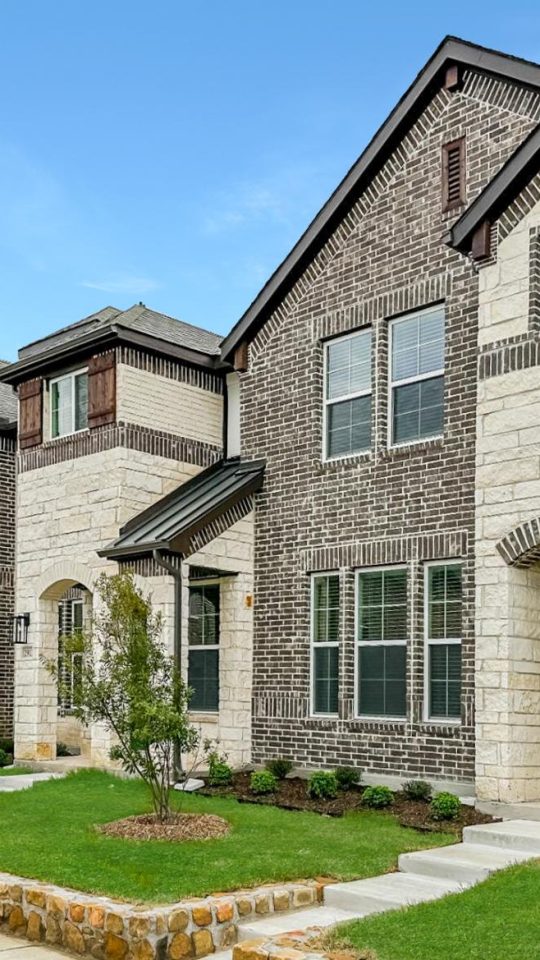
pixel 500 230
pixel 122 436
pixel 8 431
pixel 358 367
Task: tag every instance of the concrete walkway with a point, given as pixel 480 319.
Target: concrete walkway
pixel 422 876
pixel 11 948
pixel 23 781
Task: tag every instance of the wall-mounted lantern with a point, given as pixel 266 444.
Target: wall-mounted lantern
pixel 21 622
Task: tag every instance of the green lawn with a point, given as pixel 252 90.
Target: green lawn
pixel 497 920
pixel 12 771
pixel 50 836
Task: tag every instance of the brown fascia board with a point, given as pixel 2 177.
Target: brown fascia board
pixel 48 360
pixel 501 191
pixel 404 114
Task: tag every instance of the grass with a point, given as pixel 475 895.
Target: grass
pixel 51 837
pixel 12 771
pixel 497 920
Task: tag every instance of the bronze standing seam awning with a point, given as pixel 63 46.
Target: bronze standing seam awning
pixel 193 514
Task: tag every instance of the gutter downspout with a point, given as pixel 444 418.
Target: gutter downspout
pixel 176 574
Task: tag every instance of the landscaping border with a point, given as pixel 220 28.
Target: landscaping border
pixel 107 929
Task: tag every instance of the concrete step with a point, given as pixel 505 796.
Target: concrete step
pixel 510 811
pixel 465 862
pixel 387 892
pixel 278 923
pixel 510 834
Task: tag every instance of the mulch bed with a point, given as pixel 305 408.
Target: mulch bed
pixel 183 826
pixel 291 794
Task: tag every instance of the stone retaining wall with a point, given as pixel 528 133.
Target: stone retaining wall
pixel 111 930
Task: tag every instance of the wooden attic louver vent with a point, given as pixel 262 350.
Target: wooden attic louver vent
pixel 453 174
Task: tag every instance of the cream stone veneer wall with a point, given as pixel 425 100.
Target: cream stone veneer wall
pixel 503 302
pixel 232 551
pixel 66 512
pixel 170 405
pixel 508 493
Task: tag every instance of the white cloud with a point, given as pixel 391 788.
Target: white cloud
pixel 279 198
pixel 122 283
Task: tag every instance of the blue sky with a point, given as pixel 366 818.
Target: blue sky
pixel 172 152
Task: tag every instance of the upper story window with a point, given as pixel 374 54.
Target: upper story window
pixel 69 403
pixel 348 395
pixel 417 376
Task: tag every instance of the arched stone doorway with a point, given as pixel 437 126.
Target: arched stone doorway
pixel 74 615
pixel 38 726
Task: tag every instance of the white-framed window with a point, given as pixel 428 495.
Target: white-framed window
pixel 203 641
pixel 443 629
pixel 69 403
pixel 325 617
pixel 381 642
pixel 70 623
pixel 347 395
pixel 416 381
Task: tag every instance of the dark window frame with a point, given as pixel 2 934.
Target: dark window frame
pixel 200 651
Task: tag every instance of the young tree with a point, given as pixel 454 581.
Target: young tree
pixel 129 682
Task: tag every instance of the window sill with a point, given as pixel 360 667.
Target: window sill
pixel 203 716
pixel 415 446
pixel 349 458
pixel 66 436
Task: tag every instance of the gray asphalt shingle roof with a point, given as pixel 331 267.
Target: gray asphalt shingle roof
pixel 8 401
pixel 138 318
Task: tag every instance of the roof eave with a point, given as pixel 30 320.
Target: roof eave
pixel 48 360
pixel 501 191
pixel 451 50
pixel 114 333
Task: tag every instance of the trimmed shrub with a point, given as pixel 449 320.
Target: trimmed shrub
pixel 348 777
pixel 7 746
pixel 418 790
pixel 263 781
pixel 279 767
pixel 219 772
pixel 445 806
pixel 5 759
pixel 322 785
pixel 377 797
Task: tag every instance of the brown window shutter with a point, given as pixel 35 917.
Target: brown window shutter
pixel 102 389
pixel 453 174
pixel 30 413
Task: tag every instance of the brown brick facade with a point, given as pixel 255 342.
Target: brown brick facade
pixel 406 505
pixel 7 562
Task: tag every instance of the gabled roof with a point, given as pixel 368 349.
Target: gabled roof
pixel 137 326
pixel 8 403
pixel 171 522
pixel 451 51
pixel 501 191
